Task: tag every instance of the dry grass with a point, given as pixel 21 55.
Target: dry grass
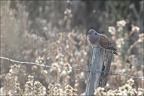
pixel 62 51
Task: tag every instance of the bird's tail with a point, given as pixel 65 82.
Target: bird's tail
pixel 112 48
pixel 114 52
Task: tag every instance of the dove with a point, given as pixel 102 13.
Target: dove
pixel 100 40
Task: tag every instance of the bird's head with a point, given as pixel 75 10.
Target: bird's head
pixel 92 32
pixel 92 36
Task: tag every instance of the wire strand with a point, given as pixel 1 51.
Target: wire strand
pixel 98 71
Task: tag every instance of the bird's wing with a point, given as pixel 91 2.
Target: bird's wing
pixel 104 41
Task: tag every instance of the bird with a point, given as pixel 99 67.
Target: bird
pixel 96 39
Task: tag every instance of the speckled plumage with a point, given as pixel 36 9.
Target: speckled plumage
pixel 95 39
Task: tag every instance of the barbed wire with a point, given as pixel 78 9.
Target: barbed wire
pixel 98 71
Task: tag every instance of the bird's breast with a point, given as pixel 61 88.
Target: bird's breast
pixel 93 39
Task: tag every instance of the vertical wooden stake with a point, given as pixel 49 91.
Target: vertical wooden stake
pixel 101 60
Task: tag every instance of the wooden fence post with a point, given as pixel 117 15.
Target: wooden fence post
pixel 101 61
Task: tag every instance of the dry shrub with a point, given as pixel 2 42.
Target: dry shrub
pixel 65 52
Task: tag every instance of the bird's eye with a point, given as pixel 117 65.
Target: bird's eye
pixel 95 33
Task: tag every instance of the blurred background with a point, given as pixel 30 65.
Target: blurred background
pixel 54 33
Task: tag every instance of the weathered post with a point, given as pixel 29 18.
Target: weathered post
pixel 101 60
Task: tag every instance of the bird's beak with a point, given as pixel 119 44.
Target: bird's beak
pixel 89 32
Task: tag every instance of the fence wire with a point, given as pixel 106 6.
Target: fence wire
pixel 98 71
